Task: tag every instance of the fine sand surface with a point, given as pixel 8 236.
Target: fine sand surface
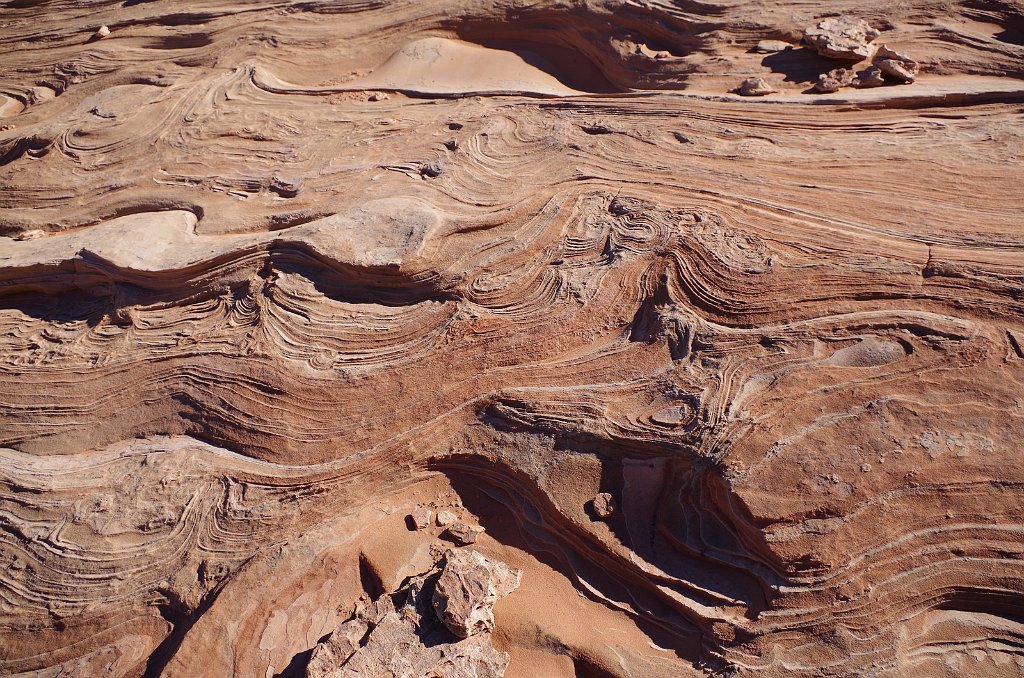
pixel 721 385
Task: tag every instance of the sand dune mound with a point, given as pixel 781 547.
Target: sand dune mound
pixel 442 66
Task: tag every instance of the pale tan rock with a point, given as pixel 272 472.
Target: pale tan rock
pixel 446 518
pixel 755 87
pixel 895 65
pixel 869 77
pixel 833 81
pixel 842 38
pixel 331 654
pixel 469 586
pixel 771 46
pixel 101 32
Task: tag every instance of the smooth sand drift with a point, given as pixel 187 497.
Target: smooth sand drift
pixel 439 66
pixel 9 106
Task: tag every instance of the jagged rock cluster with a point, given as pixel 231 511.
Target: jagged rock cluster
pixel 296 298
pixel 849 40
pixel 438 626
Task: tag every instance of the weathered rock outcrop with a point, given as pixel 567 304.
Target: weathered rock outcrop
pixel 295 296
pixel 842 37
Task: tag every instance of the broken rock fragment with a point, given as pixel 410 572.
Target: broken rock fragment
pixel 895 65
pixel 604 505
pixel 469 586
pixel 337 649
pixel 400 635
pixel 869 77
pixel 842 38
pixel 463 534
pixel 755 87
pixel 421 518
pixel 446 518
pixel 833 81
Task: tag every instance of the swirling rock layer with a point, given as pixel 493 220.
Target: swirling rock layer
pixel 275 277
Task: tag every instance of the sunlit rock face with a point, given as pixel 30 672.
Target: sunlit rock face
pixel 306 307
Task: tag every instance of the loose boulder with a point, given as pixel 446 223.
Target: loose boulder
pixel 469 586
pixel 421 518
pixel 399 635
pixel 755 87
pixel 446 518
pixel 771 46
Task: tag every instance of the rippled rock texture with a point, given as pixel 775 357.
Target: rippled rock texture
pixel 290 290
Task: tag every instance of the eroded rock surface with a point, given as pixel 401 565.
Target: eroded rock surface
pixel 842 37
pixel 280 280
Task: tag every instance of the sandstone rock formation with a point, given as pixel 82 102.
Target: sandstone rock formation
pixel 276 275
pixel 842 37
